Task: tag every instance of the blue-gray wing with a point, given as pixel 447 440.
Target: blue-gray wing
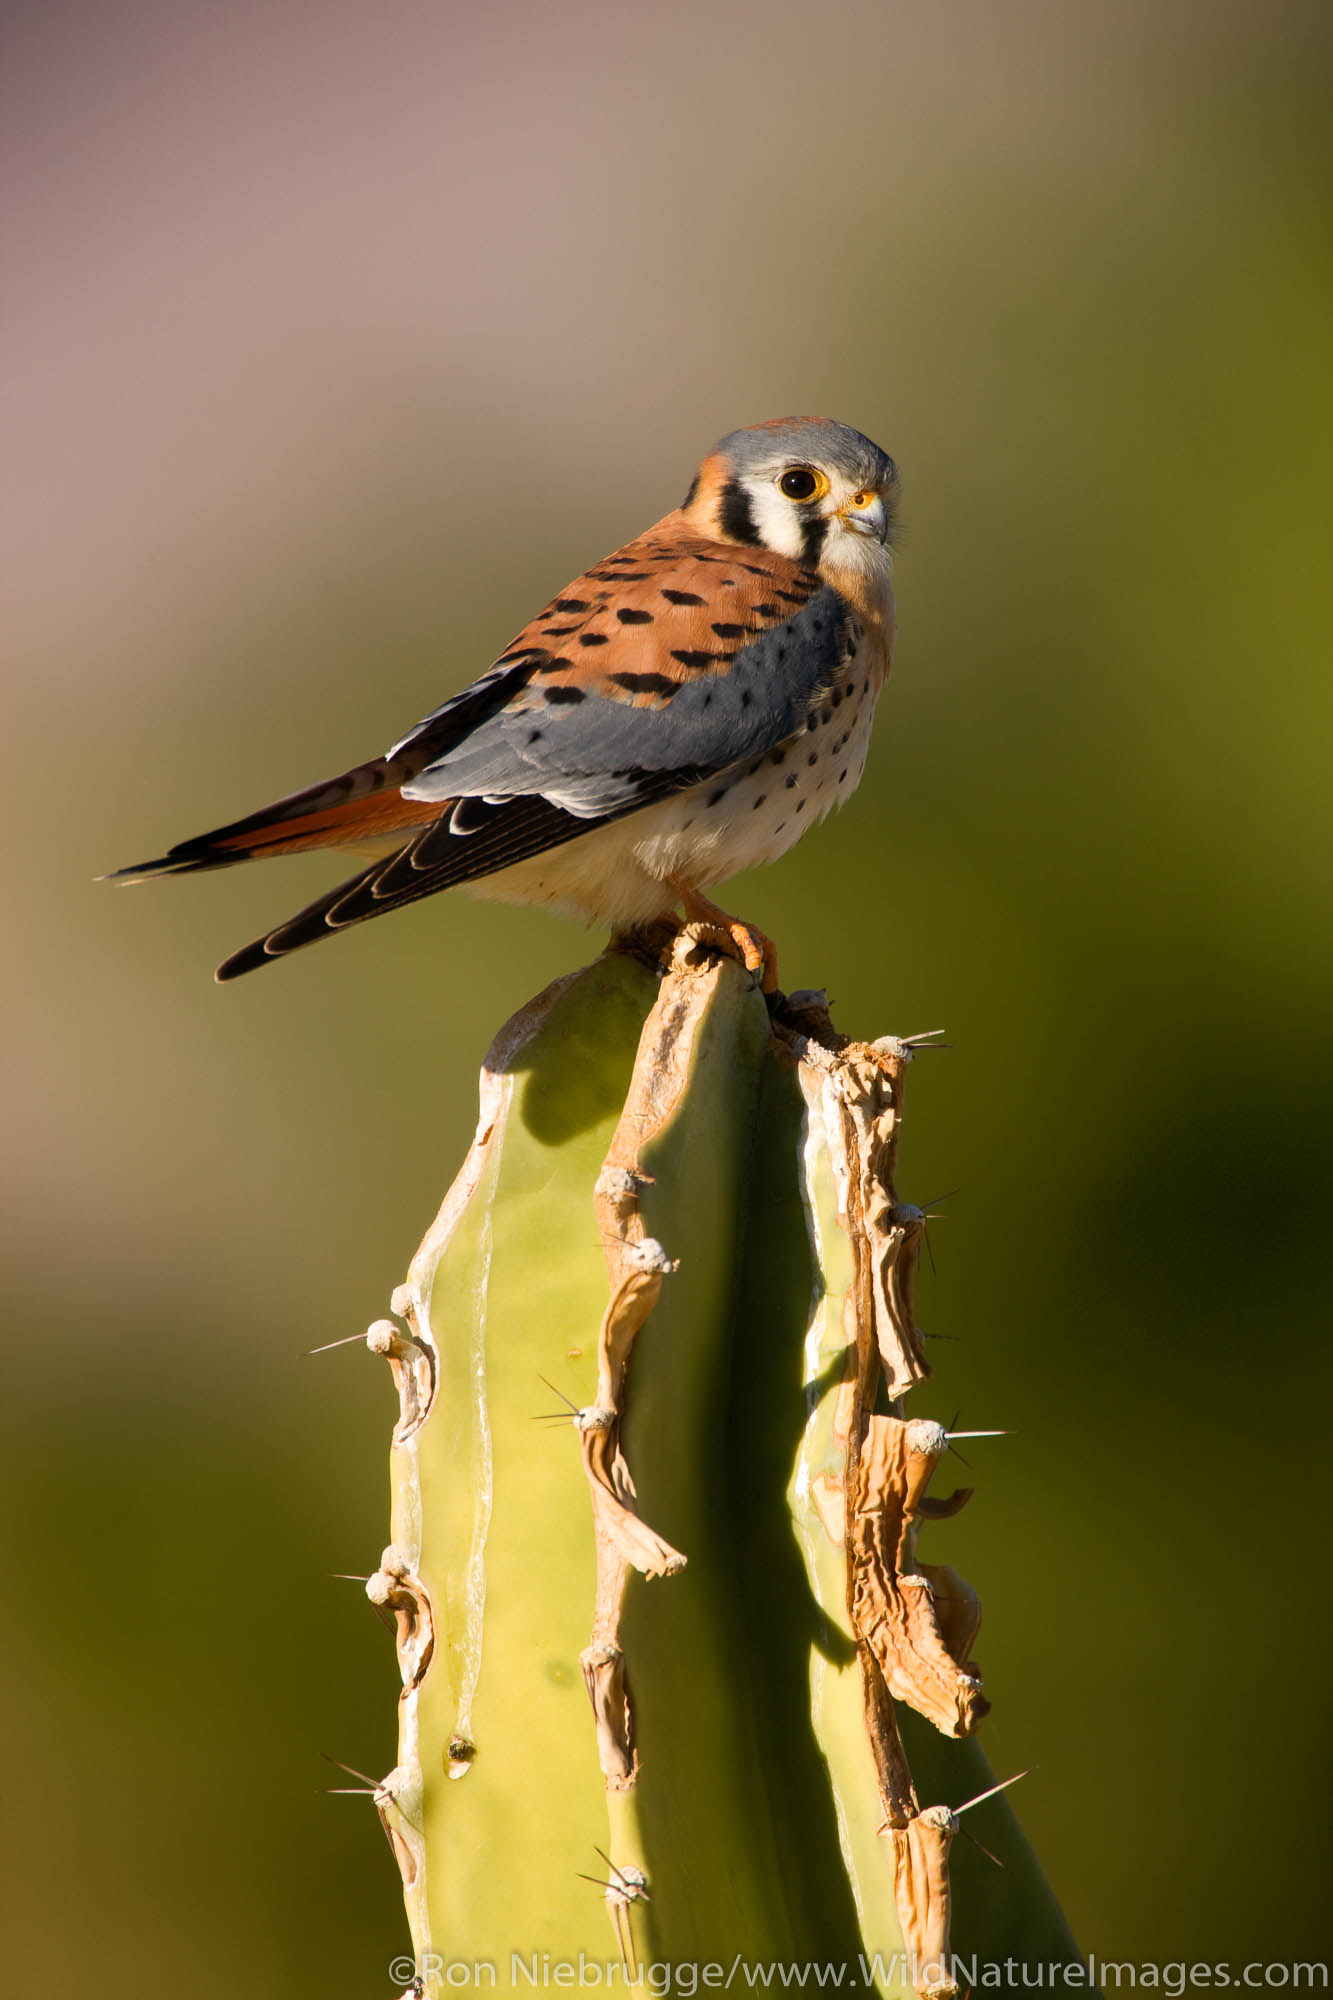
pixel 612 730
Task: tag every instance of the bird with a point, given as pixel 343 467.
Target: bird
pixel 682 711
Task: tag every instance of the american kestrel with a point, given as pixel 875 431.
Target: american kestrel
pixel 683 710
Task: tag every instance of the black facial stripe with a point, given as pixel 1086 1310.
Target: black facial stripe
pixel 735 517
pixel 813 532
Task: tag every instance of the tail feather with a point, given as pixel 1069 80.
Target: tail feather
pixel 432 844
pixel 306 820
pixel 365 801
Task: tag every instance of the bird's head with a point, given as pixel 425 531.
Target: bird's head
pixel 804 487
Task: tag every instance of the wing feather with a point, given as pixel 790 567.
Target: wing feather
pixel 665 689
pixel 425 865
pixel 669 663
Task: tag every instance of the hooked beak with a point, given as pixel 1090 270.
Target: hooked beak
pixel 870 518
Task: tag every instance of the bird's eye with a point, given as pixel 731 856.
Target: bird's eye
pixel 801 482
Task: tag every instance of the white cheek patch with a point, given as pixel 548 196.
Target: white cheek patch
pixel 848 551
pixel 778 522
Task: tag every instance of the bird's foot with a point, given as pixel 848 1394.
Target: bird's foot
pixel 756 952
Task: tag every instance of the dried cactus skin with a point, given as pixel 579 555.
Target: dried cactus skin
pixel 997 1913
pixel 680 1551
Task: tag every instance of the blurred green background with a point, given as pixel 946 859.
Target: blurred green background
pixel 344 337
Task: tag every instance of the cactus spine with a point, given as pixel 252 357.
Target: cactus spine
pixel 678 1220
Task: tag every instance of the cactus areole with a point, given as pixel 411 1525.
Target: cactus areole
pixel 664 1636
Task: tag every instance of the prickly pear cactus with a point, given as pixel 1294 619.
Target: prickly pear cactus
pixel 664 1635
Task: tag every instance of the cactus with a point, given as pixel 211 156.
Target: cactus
pixel 664 1657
